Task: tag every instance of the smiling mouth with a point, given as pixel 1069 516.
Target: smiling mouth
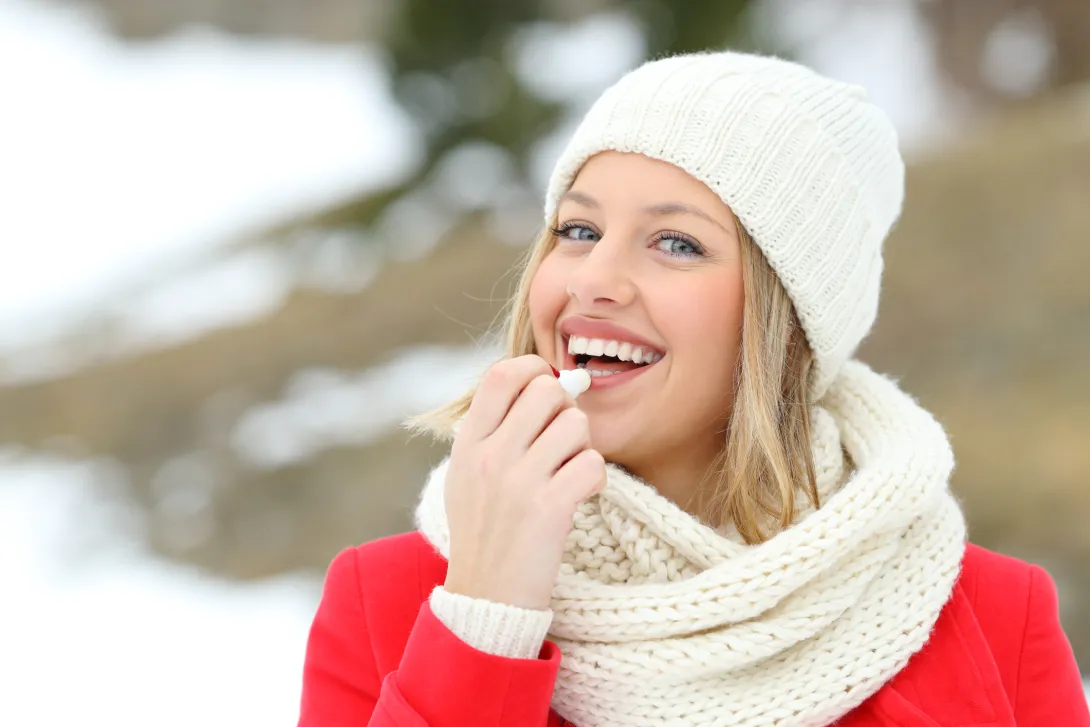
pixel 605 365
pixel 608 358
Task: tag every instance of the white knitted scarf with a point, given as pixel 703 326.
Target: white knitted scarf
pixel 662 620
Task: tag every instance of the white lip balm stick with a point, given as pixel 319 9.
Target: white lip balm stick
pixel 574 381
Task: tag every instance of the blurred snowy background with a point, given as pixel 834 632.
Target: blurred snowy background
pixel 241 239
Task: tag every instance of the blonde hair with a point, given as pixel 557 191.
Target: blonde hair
pixel 767 453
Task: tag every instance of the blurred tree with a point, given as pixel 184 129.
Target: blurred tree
pixel 441 53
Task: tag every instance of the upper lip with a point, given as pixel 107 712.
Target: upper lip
pixel 598 328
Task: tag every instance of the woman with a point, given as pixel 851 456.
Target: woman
pixel 737 524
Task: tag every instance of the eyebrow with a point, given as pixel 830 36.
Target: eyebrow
pixel 658 210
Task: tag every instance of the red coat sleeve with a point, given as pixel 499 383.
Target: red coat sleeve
pixel 1049 690
pixel 440 681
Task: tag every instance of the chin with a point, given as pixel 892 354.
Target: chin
pixel 610 446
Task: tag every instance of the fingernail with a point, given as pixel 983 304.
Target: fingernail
pixel 556 373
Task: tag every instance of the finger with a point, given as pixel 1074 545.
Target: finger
pixel 499 389
pixel 566 436
pixel 581 477
pixel 536 407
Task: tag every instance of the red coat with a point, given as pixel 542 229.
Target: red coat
pixel 378 656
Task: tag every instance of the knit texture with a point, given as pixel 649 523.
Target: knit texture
pixel 664 621
pixel 809 166
pixel 494 628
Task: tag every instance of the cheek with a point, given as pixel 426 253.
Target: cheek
pixel 706 321
pixel 547 298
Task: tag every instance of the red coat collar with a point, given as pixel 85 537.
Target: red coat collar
pixel 952 682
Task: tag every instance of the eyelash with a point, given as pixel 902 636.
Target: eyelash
pixel 698 249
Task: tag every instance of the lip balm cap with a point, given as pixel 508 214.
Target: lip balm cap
pixel 575 381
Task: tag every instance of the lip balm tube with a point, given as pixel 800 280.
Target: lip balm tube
pixel 574 381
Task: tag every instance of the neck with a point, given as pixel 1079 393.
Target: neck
pixel 676 475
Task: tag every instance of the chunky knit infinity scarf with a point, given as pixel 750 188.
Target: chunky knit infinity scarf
pixel 662 620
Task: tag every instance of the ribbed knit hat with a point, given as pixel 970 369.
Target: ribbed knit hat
pixel 808 165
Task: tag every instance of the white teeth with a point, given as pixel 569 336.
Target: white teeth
pixel 601 347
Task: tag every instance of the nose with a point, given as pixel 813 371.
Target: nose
pixel 603 276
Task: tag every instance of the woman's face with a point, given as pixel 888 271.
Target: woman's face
pixel 645 255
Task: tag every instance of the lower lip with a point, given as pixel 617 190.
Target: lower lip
pixel 613 380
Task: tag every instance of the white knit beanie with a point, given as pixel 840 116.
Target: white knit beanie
pixel 808 165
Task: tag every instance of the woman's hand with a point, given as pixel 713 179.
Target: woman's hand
pixel 519 466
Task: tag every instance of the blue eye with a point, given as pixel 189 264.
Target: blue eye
pixel 576 232
pixel 673 244
pixel 677 245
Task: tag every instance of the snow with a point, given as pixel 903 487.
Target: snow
pixel 322 408
pixel 123 160
pixel 93 632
